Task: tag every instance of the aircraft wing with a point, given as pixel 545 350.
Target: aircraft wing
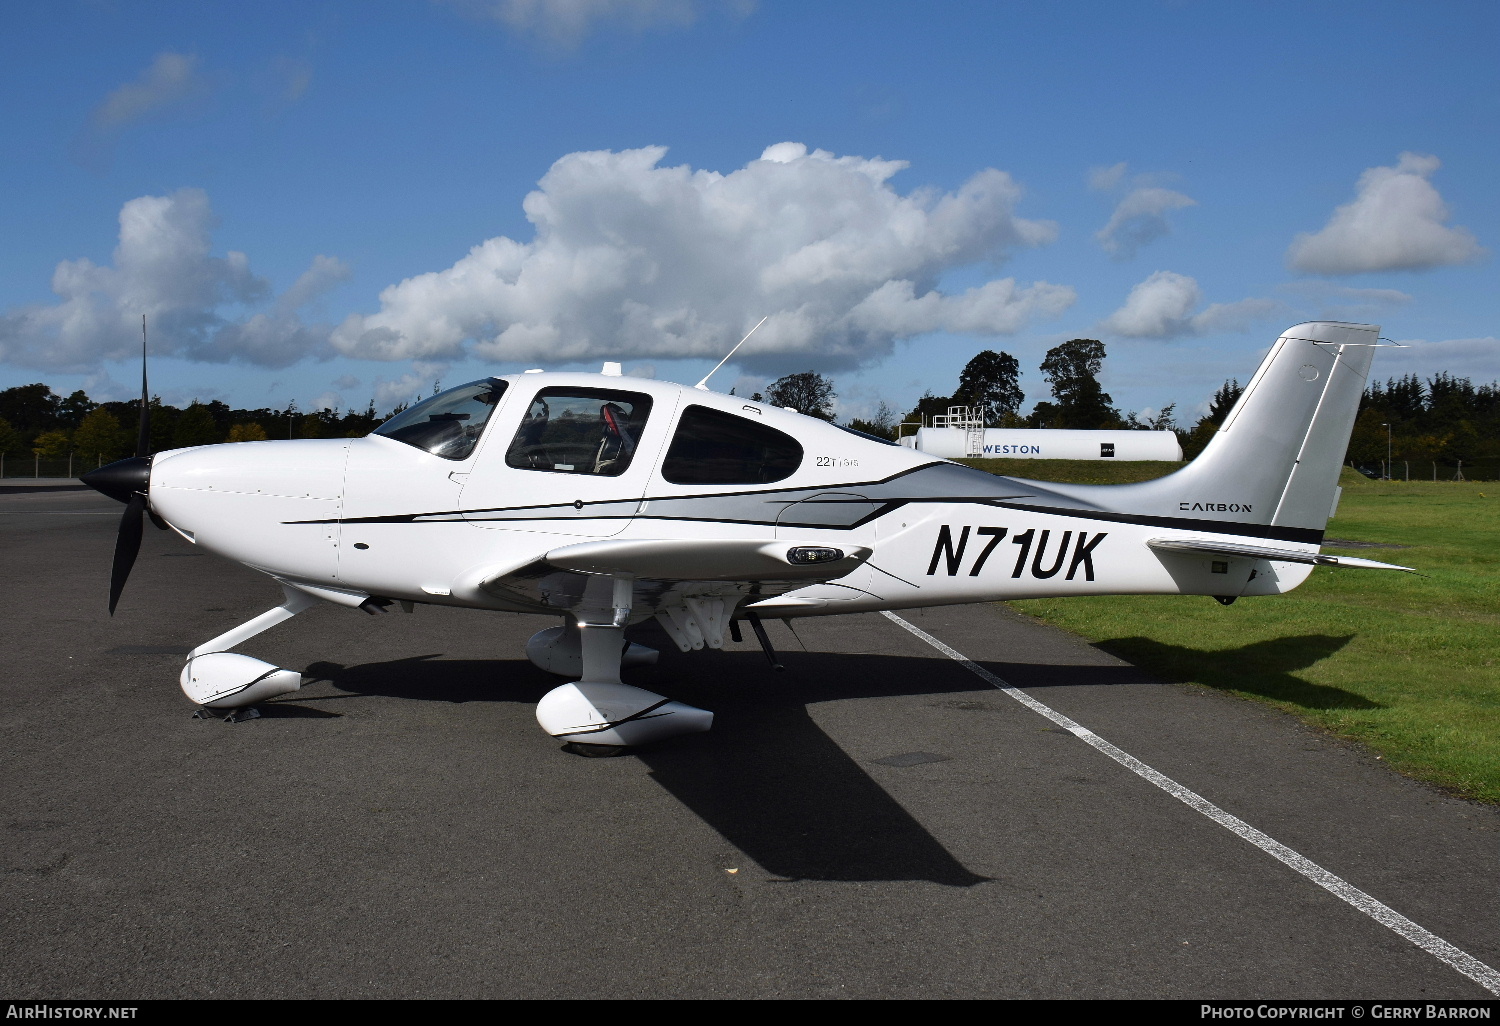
pixel 693 559
pixel 581 575
pixel 1235 549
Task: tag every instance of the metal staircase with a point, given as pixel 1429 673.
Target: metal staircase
pixel 968 419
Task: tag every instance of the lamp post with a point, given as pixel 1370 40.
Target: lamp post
pixel 1387 451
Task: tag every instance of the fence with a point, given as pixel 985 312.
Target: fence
pixel 72 465
pixel 1431 470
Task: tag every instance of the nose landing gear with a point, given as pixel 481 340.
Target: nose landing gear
pixel 222 682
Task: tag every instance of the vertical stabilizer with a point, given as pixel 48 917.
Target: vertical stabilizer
pixel 1275 460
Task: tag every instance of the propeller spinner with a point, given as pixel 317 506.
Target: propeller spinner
pixel 128 481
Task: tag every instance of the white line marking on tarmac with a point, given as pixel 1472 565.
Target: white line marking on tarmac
pixel 1430 942
pixel 56 512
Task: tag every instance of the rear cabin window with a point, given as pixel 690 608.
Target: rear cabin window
pixel 712 447
pixel 580 431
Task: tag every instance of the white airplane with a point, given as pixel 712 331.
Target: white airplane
pixel 605 501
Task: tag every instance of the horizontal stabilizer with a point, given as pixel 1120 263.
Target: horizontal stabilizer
pixel 1215 548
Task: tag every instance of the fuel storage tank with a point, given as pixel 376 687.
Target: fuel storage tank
pixel 1048 444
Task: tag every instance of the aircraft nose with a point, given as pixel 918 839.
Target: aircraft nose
pixel 122 478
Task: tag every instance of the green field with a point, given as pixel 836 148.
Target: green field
pixel 1408 665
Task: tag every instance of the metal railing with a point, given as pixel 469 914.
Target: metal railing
pixel 969 420
pixel 1430 470
pixel 71 465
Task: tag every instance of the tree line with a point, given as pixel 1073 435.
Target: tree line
pixel 1443 419
pixel 36 421
pixel 991 384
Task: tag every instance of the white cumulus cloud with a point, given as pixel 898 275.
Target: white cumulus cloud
pixel 1396 222
pixel 1140 218
pixel 1163 306
pixel 289 77
pixel 171 78
pixel 197 305
pixel 171 82
pixel 421 381
pixel 565 23
pixel 1107 179
pixel 1326 301
pixel 1141 215
pixel 632 260
pixel 1475 358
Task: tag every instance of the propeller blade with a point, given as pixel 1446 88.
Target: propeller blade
pixel 127 546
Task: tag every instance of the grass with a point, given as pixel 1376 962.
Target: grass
pixel 1406 665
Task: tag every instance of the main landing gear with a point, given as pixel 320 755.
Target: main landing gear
pixel 596 715
pixel 599 714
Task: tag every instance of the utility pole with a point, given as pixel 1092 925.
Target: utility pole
pixel 1388 475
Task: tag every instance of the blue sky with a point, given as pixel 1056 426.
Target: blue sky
pixel 1181 180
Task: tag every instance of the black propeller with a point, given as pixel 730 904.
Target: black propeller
pixel 128 481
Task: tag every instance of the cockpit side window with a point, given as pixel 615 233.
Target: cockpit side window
pixel 580 431
pixel 450 423
pixel 712 447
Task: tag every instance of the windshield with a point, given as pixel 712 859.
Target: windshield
pixel 450 423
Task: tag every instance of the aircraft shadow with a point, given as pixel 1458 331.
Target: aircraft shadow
pixel 1264 668
pixel 767 778
pixel 778 788
pixel 283 710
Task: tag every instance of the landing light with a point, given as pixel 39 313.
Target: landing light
pixel 803 555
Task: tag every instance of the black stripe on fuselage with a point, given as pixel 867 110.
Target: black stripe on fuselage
pixel 470 514
pixel 1291 534
pixel 884 505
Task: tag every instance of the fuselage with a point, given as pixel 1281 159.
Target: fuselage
pixel 530 463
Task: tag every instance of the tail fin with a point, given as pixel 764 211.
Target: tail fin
pixel 1276 459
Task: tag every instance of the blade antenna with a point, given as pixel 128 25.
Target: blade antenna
pixel 143 435
pixel 704 383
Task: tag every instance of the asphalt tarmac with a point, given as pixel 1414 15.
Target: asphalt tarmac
pixel 874 822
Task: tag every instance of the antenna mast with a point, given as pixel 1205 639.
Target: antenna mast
pixel 704 383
